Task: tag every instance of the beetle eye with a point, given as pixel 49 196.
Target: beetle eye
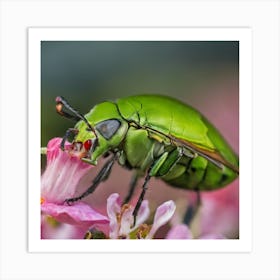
pixel 87 144
pixel 108 128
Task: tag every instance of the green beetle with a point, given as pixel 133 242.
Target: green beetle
pixel 156 136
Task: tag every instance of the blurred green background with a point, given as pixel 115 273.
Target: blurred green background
pixel 203 74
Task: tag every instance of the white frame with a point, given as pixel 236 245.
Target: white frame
pixel 262 17
pixel 243 35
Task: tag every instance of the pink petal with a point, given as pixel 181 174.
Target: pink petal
pixel 143 214
pixel 63 173
pixel 113 208
pixel 179 232
pixel 163 214
pixel 60 231
pixel 78 214
pixel 123 228
pixel 212 236
pixel 53 148
pixel 219 213
pixel 126 222
pixel 215 219
pixel 128 219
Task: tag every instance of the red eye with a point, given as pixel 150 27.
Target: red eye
pixel 88 144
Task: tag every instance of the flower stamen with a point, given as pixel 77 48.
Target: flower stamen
pixel 143 231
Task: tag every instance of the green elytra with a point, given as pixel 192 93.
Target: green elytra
pixel 156 136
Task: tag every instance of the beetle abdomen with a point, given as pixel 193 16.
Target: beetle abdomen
pixel 198 174
pixel 214 164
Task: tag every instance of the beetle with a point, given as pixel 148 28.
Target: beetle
pixel 156 136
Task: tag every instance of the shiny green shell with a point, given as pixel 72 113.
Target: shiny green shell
pixel 159 127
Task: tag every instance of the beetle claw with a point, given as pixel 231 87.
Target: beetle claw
pixel 134 221
pixel 69 201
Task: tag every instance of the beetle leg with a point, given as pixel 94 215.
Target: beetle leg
pixel 192 210
pixel 69 132
pixel 132 187
pixel 188 153
pixel 141 197
pixel 198 202
pixel 101 176
pixel 159 168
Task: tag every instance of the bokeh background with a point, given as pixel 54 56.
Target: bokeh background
pixel 204 74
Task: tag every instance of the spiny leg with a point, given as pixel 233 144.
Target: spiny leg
pixel 198 202
pixel 132 186
pixel 101 176
pixel 159 167
pixel 192 210
pixel 141 197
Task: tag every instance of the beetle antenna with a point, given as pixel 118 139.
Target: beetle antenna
pixel 61 102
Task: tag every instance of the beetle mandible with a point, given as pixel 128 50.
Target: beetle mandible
pixel 156 136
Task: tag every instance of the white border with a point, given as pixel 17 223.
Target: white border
pixel 262 16
pixel 243 35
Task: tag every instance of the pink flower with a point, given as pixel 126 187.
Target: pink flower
pixel 59 182
pixel 219 213
pixel 122 220
pixel 122 226
pixel 182 231
pixel 216 218
pixel 63 173
pixel 179 231
pixel 52 229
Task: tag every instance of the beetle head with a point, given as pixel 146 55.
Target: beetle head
pixel 103 132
